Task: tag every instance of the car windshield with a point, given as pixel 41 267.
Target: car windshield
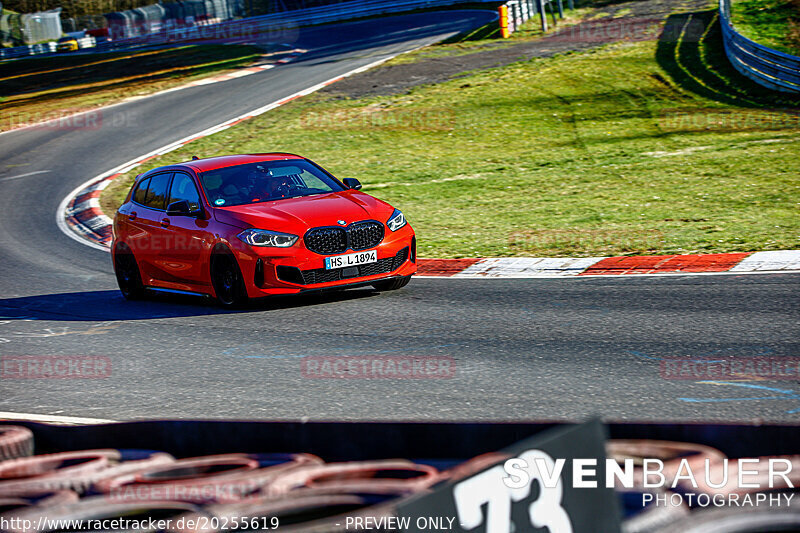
pixel 266 181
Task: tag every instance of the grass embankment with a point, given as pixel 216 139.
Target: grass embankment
pixel 43 88
pixel 773 23
pixel 634 148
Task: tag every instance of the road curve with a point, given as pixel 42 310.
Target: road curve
pixel 521 349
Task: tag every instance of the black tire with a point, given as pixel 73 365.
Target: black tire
pixel 129 279
pixel 226 277
pixel 15 441
pixel 391 284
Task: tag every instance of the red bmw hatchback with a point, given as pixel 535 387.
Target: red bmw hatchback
pixel 246 226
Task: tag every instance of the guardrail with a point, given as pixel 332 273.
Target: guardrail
pixel 42 48
pixel 765 66
pixel 29 50
pixel 248 28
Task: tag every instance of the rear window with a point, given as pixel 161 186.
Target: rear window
pixel 140 193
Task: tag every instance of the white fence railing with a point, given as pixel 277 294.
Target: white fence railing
pixel 514 13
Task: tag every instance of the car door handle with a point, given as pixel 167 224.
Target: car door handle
pixel 164 222
pixel 132 216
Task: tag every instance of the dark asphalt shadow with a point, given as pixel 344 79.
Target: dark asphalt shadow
pixel 337 40
pixel 110 305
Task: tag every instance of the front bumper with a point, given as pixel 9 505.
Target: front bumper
pixel 273 271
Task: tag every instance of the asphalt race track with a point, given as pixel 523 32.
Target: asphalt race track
pixel 522 349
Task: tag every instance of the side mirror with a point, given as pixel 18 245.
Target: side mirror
pixel 351 183
pixel 182 209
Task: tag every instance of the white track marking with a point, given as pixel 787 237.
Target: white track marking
pixel 25 175
pixel 88 204
pixel 528 267
pixel 55 419
pixel 620 276
pixel 781 260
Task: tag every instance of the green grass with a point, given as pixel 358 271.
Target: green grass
pixel 40 88
pixel 634 148
pixel 773 23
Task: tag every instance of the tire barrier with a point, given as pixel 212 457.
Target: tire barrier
pixel 304 494
pixel 473 466
pixel 671 453
pixel 58 471
pixel 393 476
pixel 650 517
pixel 46 499
pixel 202 480
pixel 761 476
pixel 15 441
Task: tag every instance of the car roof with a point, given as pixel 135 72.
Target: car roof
pixel 212 163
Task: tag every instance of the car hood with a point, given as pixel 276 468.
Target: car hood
pixel 296 215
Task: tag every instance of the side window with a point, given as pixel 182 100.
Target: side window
pixel 141 191
pixel 183 189
pixel 157 191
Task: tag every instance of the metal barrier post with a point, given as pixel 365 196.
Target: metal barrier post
pixel 503 12
pixel 542 14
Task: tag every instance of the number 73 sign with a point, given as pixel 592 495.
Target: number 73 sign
pixel 490 501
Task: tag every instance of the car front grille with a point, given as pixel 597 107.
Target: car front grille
pixel 381 266
pixel 326 240
pixel 356 236
pixel 363 235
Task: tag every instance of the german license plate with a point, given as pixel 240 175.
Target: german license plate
pixel 346 260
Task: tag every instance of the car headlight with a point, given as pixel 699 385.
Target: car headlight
pixel 396 221
pixel 262 237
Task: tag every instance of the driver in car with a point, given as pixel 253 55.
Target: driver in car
pixel 277 187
